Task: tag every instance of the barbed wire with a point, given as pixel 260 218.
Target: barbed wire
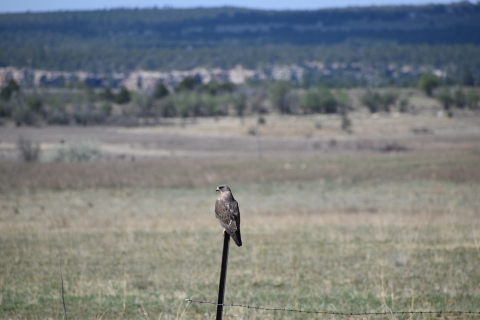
pixel 338 313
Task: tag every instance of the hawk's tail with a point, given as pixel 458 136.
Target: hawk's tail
pixel 237 238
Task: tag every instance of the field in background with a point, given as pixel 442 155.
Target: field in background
pixel 330 221
pixel 424 127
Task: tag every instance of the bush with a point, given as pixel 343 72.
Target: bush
pixel 346 123
pixel 310 102
pixel 240 104
pixel 58 116
pixel 161 91
pixel 35 103
pixel 445 98
pixel 372 101
pixel 28 150
pixel 9 89
pixel 76 152
pixel 428 82
pixel 460 98
pixel 328 102
pixel 404 105
pixel 278 94
pixel 167 107
pixel 21 112
pixel 187 84
pixel 376 102
pixel 214 88
pixel 468 79
pixel 88 114
pixel 321 100
pixel 123 96
pixel 107 108
pixel 473 99
pixel 107 95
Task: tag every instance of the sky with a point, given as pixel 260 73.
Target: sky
pixel 55 5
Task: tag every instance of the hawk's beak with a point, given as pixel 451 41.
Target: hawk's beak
pixel 217 190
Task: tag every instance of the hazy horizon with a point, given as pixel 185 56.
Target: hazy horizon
pixel 55 5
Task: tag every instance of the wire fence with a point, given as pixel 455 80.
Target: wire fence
pixel 339 313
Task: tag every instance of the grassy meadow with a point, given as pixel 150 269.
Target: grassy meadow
pixel 346 230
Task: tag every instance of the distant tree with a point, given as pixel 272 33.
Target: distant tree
pixel 346 124
pixel 123 96
pixel 372 100
pixel 328 102
pixel 387 100
pixel 28 150
pixel 428 82
pixel 35 103
pixel 473 99
pixel 90 94
pixel 376 101
pixel 168 107
pixel 240 104
pixel 310 103
pixel 278 94
pixel 319 100
pixel 106 108
pixel 404 105
pixel 161 91
pixel 214 88
pixel 468 79
pixel 187 84
pixel 7 91
pixel 460 98
pixel 445 98
pixel 107 94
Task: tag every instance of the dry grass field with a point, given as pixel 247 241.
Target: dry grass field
pixel 327 226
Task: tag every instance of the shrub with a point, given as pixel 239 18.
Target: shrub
pixel 473 99
pixel 123 96
pixel 321 100
pixel 445 98
pixel 428 82
pixel 310 102
pixel 404 105
pixel 76 152
pixel 21 112
pixel 328 103
pixel 28 150
pixel 107 95
pixel 167 107
pixel 240 104
pixel 460 98
pixel 107 108
pixel 346 123
pixel 371 100
pixel 35 103
pixel 468 79
pixel 376 102
pixel 161 91
pixel 9 89
pixel 278 95
pixel 58 116
pixel 88 114
pixel 187 84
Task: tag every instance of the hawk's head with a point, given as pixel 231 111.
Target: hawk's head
pixel 223 188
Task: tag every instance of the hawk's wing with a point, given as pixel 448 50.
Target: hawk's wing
pixel 228 213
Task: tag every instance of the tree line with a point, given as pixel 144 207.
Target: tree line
pixel 190 99
pixel 122 40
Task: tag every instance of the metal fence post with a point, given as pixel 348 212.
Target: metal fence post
pixel 223 276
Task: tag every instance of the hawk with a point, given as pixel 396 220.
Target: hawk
pixel 228 213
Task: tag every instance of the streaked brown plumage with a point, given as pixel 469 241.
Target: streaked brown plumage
pixel 228 213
